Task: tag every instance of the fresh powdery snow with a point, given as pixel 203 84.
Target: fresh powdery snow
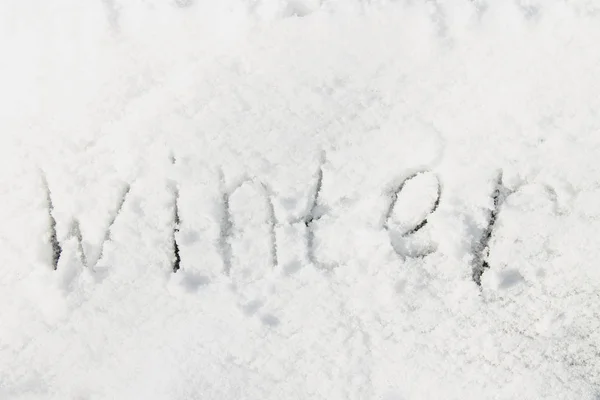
pixel 300 199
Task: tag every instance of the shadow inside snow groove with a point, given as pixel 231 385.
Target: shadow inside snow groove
pixel 75 232
pixel 312 214
pixel 393 196
pixel 480 263
pixel 176 224
pixel 75 229
pixel 227 225
pixel 272 224
pixel 55 245
pixel 107 235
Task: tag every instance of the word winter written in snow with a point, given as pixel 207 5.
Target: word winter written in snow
pixel 399 233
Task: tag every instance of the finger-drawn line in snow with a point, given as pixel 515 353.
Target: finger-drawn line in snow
pixel 312 214
pixel 273 223
pixel 75 230
pixel 267 194
pixel 394 195
pixel 480 263
pixel 118 209
pixel 54 243
pixel 176 225
pixel 176 263
pixel 226 226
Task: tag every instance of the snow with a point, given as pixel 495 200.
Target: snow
pixel 362 199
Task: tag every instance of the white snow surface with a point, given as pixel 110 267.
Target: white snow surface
pixel 291 151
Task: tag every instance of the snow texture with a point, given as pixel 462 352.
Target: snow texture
pixel 299 199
